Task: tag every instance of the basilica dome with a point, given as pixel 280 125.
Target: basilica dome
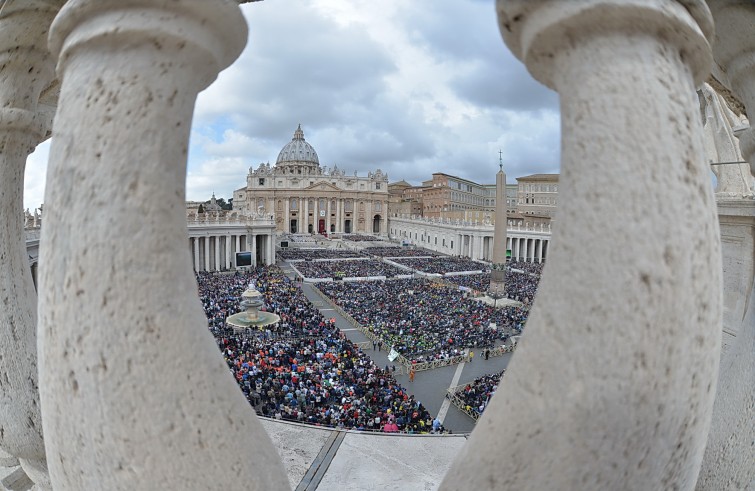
pixel 298 152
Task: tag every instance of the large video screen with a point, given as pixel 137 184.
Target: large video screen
pixel 284 244
pixel 243 259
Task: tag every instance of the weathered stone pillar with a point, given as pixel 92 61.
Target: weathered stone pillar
pixel 124 407
pixel 730 453
pixel 613 382
pixel 27 70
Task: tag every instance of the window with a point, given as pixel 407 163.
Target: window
pixel 294 204
pixel 262 181
pixel 377 185
pixel 452 244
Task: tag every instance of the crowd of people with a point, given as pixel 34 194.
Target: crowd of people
pixel 361 238
pixel 531 268
pixel 304 369
pixel 400 252
pixel 519 286
pixel 476 395
pixel 301 238
pixel 359 268
pixel 424 320
pixel 311 254
pixel 442 265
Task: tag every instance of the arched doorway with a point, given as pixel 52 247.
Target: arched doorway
pixel 293 226
pixel 347 226
pixel 376 224
pixel 321 226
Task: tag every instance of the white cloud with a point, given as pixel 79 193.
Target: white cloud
pixel 35 176
pixel 409 87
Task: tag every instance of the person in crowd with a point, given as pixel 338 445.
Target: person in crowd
pixel 304 369
pixel 425 320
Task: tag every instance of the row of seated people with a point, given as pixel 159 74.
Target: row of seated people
pixel 301 238
pixel 304 369
pixel 349 269
pixel 519 286
pixel 311 254
pixel 476 395
pixel 400 252
pixel 424 320
pixel 531 268
pixel 442 265
pixel 361 238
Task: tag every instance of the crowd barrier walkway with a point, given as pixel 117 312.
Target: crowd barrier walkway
pixel 401 360
pixel 454 394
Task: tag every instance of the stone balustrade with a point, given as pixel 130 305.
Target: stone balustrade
pixel 614 383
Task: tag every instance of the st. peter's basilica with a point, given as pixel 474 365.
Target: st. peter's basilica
pixel 307 198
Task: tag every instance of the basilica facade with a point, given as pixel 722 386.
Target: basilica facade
pixel 305 198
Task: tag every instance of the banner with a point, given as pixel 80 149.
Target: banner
pixel 392 355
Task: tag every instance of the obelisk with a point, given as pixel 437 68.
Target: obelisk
pixel 498 276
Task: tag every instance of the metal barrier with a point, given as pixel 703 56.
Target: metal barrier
pixel 401 360
pixel 453 394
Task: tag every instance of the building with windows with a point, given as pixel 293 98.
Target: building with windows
pixel 537 195
pixel 512 200
pixel 305 198
pixel 447 196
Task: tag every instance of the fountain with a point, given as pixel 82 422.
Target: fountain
pixel 251 317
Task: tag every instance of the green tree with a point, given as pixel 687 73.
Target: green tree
pixel 200 209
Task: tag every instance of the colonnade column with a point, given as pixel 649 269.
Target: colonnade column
pixel 195 240
pixel 327 217
pixel 515 248
pixel 217 252
pixel 254 249
pixel 287 217
pixel 728 462
pixel 271 248
pixel 300 223
pixel 206 264
pixel 115 415
pixel 540 251
pixel 228 260
pixel 27 69
pixel 339 216
pixel 643 393
pixel 238 244
pixel 305 218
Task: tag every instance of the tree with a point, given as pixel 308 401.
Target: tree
pixel 200 209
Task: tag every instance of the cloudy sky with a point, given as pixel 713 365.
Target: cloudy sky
pixel 410 87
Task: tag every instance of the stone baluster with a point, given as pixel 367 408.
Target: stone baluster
pixel 135 394
pixel 729 456
pixel 613 382
pixel 27 69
